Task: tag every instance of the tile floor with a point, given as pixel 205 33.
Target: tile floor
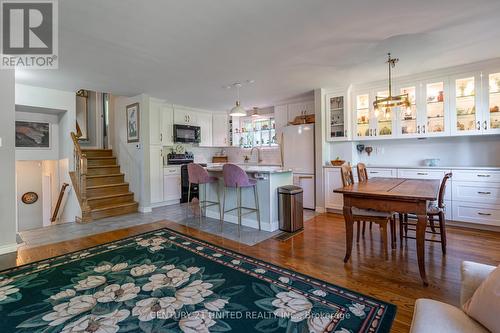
pixel 175 213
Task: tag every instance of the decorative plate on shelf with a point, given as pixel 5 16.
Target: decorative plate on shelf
pixel 29 198
pixel 179 149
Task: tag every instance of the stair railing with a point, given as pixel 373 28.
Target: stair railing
pixel 55 214
pixel 80 178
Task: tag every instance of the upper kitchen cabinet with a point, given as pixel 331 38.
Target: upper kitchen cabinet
pixel 300 110
pixel 337 118
pixel 383 122
pixel 280 117
pixel 436 110
pixel 491 111
pixel 183 116
pixel 167 125
pixel 409 119
pixel 154 121
pixel 465 104
pixel 362 117
pixel 220 130
pixel 204 120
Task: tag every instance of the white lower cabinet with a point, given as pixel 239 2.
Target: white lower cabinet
pixel 428 174
pixel 333 181
pixel 156 173
pixel 171 183
pixel 474 212
pixel 382 172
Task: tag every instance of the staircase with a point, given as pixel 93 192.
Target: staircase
pixel 104 192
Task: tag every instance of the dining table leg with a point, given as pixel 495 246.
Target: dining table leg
pixel 349 227
pixel 420 236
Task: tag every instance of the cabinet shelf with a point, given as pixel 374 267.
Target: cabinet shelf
pixel 435 102
pixel 466 96
pixel 339 124
pixel 337 109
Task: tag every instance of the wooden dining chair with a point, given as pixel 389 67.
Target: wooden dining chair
pixel 433 209
pixel 362 215
pixel 363 177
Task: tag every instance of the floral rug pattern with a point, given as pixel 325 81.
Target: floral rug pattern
pixel 164 281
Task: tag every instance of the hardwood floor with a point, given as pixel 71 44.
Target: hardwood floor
pixel 319 252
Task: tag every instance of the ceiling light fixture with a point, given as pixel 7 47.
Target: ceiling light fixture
pixel 255 112
pixel 387 103
pixel 237 110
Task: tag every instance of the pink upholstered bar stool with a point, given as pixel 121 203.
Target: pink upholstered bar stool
pixel 236 177
pixel 198 175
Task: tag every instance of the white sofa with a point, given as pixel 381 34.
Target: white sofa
pixel 432 316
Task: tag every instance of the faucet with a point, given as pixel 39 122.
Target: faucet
pixel 258 153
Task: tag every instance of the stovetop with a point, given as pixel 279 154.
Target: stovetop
pixel 176 159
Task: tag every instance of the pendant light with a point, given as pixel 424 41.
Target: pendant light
pixel 387 103
pixel 237 110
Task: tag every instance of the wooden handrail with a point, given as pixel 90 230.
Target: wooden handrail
pixel 59 201
pixel 80 179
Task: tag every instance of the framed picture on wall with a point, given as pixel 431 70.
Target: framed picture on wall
pixel 133 122
pixel 31 134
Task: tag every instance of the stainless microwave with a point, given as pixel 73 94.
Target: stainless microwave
pixel 187 134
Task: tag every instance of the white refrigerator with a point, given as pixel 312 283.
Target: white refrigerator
pixel 298 155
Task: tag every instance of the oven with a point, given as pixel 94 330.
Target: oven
pixel 187 134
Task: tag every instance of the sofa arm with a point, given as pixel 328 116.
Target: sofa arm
pixel 473 274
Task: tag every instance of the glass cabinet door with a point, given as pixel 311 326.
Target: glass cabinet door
pixel 434 109
pixel 363 115
pixel 383 118
pixel 337 129
pixel 465 105
pixel 492 120
pixel 408 116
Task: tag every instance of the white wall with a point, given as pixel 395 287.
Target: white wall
pixel 29 179
pixel 453 151
pixel 59 100
pixel 40 154
pixel 7 163
pixel 133 157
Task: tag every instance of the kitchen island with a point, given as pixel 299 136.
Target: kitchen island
pixel 269 178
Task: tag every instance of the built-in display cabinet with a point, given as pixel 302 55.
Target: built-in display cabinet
pixel 449 102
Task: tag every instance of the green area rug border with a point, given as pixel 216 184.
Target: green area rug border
pixel 384 325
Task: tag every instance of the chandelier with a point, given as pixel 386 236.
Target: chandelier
pixel 387 103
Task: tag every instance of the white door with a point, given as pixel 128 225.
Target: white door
pixel 298 148
pixel 435 111
pixel 172 187
pixel 156 176
pixel 491 107
pixel 167 125
pixel 220 130
pixel 205 122
pixel 465 104
pixel 184 116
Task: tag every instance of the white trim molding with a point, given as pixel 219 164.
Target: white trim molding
pixel 8 248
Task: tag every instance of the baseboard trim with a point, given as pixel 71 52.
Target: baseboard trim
pixel 142 209
pixel 8 248
pixel 320 210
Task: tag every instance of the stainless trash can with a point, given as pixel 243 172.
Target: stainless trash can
pixel 291 214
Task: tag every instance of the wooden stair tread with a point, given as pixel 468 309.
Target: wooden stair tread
pixel 111 196
pixel 102 166
pixel 106 175
pixel 90 149
pixel 122 205
pixel 100 158
pixel 105 185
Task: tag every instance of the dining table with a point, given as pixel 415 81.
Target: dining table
pixel 394 195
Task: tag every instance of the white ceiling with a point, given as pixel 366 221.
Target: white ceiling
pixel 186 50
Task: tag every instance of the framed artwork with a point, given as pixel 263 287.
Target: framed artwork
pixel 30 134
pixel 133 123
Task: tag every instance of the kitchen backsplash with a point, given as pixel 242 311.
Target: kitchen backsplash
pixel 453 151
pixel 269 155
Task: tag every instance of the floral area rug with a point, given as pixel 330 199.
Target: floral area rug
pixel 164 281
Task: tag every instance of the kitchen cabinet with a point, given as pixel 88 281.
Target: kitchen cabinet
pixel 383 122
pixel 154 121
pixel 409 120
pixel 172 183
pixel 491 108
pixel 362 117
pixel 167 125
pixel 466 115
pixel 156 174
pixel 333 180
pixel 300 109
pixel 280 118
pixel 382 172
pixel 204 120
pixel 436 110
pixel 183 116
pixel 337 118
pixel 307 184
pixel 220 130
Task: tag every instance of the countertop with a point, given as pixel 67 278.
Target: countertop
pixel 217 167
pixel 439 167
